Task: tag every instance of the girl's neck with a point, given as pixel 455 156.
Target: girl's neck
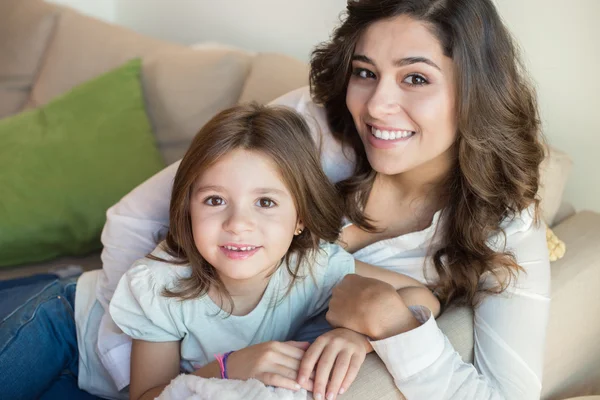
pixel 245 294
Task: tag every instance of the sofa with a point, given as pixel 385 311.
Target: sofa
pixel 46 49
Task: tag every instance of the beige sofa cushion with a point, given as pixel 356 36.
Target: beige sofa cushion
pixel 273 75
pixel 554 172
pixel 572 358
pixel 83 48
pixel 184 88
pixel 26 27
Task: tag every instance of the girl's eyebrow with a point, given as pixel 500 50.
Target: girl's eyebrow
pixel 398 63
pixel 209 188
pixel 217 188
pixel 269 191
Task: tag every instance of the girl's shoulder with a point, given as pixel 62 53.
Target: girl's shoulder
pixel 157 270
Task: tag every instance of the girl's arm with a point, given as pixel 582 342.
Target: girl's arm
pixel 155 364
pixel 412 292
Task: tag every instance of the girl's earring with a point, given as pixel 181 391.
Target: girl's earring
pixel 298 231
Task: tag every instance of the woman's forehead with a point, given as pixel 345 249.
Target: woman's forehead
pixel 399 37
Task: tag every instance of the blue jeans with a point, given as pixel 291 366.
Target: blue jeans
pixel 38 340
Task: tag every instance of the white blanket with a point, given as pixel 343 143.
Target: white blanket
pixel 191 387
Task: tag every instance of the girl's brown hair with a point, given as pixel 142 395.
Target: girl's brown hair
pixel 282 135
pixel 498 144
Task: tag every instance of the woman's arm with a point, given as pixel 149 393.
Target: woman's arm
pixel 412 292
pixel 134 226
pixel 510 332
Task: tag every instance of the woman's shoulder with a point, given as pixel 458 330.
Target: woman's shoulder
pixel 337 160
pixel 524 236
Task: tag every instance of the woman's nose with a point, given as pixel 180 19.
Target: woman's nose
pixel 239 220
pixel 385 100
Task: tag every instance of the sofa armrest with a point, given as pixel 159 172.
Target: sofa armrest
pixel 572 358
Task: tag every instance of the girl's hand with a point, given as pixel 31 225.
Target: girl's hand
pixel 272 363
pixel 369 306
pixel 343 351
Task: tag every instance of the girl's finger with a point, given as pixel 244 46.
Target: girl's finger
pixel 338 374
pixel 353 368
pixel 289 349
pixel 275 379
pixel 324 367
pixel 300 345
pixel 307 365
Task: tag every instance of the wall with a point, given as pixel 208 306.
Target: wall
pixel 101 9
pixel 560 43
pixel 286 26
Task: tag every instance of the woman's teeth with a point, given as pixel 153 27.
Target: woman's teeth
pixel 249 248
pixel 390 135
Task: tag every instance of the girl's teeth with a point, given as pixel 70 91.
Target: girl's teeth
pixel 240 248
pixel 390 135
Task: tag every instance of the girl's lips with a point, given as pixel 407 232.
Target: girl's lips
pixel 239 254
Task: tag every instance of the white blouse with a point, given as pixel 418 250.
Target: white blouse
pixel 510 329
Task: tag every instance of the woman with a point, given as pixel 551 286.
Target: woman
pixel 432 136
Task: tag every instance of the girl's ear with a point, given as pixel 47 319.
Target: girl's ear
pixel 299 228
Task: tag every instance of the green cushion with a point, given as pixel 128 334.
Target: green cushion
pixel 63 165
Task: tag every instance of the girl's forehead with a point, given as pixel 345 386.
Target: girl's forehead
pixel 243 169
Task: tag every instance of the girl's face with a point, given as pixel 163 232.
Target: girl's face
pixel 402 97
pixel 243 216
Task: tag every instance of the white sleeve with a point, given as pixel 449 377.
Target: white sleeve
pixel 510 333
pixel 134 226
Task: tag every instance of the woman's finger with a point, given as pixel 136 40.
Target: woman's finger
pixel 338 374
pixel 352 373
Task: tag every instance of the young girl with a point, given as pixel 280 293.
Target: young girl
pixel 248 258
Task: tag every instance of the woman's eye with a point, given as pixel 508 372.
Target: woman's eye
pixel 363 73
pixel 415 80
pixel 265 203
pixel 214 201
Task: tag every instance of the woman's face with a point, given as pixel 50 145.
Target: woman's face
pixel 402 97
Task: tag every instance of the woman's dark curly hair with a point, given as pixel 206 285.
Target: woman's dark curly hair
pixel 498 145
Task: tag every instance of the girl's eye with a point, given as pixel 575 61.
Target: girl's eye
pixel 265 203
pixel 214 201
pixel 415 80
pixel 363 73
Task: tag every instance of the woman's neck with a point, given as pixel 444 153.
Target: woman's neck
pixel 423 184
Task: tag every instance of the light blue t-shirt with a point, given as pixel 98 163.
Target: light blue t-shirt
pixel 142 312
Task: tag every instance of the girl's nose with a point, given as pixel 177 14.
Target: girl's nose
pixel 239 220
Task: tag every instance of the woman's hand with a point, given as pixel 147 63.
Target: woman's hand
pixel 339 353
pixel 369 306
pixel 272 363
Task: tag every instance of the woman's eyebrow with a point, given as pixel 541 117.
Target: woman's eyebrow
pixel 398 63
